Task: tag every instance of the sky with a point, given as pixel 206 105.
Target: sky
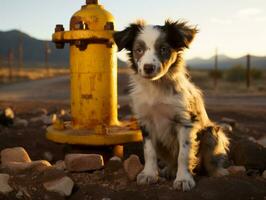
pixel 234 27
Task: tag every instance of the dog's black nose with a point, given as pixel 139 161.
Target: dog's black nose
pixel 149 68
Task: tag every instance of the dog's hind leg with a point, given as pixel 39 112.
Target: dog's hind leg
pixel 213 150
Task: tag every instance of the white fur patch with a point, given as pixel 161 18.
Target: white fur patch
pixel 150 158
pixel 149 35
pixel 150 173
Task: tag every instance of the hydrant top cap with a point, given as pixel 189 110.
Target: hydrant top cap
pixel 91 2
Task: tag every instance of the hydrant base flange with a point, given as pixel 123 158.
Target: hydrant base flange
pixel 116 135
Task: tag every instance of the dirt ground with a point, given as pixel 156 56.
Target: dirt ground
pixel 112 182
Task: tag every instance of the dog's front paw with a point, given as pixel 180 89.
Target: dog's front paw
pixel 184 182
pixel 145 178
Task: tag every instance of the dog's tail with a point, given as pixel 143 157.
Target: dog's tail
pixel 214 146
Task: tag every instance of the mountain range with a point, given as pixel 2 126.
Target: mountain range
pixel 34 54
pixel 225 62
pixel 34 50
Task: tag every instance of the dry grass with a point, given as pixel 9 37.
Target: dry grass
pixel 30 74
pixel 205 82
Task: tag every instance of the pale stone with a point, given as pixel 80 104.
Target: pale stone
pixel 115 158
pixel 132 167
pixel 47 120
pixel 264 174
pixel 18 167
pixel 60 165
pixel 9 113
pixel 4 186
pixel 83 162
pixel 16 154
pixel 262 142
pixel 63 186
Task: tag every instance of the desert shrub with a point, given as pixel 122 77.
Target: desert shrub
pixel 218 74
pixel 256 73
pixel 238 73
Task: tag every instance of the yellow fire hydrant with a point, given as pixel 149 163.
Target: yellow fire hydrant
pixel 93 64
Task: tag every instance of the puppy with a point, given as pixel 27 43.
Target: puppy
pixel 169 107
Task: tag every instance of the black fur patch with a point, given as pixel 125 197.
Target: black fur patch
pixel 179 34
pixel 188 126
pixel 125 40
pixel 144 131
pixel 193 117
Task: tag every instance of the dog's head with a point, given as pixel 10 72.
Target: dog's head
pixel 154 49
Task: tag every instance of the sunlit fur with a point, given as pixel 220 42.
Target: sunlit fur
pixel 171 109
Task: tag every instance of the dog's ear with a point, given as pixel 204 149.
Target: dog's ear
pixel 125 39
pixel 179 34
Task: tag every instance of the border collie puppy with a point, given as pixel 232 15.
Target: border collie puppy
pixel 169 107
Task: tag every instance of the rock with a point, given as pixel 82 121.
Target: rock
pixel 65 115
pixel 16 154
pixel 247 153
pixel 24 192
pixel 264 174
pixel 9 113
pixel 83 162
pixel 229 121
pixel 48 156
pixel 19 194
pixel 252 139
pixel 7 117
pixel 63 186
pixel 47 120
pixel 60 165
pixel 132 167
pixel 19 167
pixel 4 186
pixel 113 165
pixel 262 142
pixel 226 127
pixel 115 158
pixel 20 122
pixel 40 111
pixel 236 170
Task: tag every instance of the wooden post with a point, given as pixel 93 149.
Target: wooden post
pixel 1 62
pixel 248 72
pixel 10 64
pixel 46 52
pixel 216 68
pixel 20 55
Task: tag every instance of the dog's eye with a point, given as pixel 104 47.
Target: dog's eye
pixel 139 50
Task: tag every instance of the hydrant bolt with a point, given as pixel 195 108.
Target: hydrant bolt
pixel 59 28
pixel 91 2
pixel 109 26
